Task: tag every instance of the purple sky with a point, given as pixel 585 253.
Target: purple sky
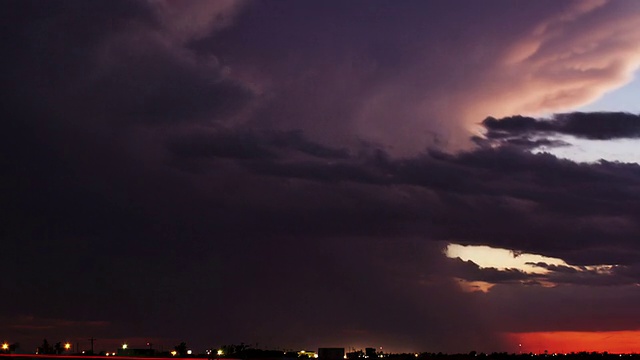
pixel 291 173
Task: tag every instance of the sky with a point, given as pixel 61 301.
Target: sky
pixel 418 175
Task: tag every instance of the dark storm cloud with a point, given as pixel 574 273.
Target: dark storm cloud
pixel 152 84
pixel 196 234
pixel 247 144
pixel 521 141
pixel 583 205
pixel 470 271
pixel 556 275
pixel 77 193
pixel 110 63
pixel 378 71
pixel 594 126
pixel 558 268
pixel 563 308
pixel 51 45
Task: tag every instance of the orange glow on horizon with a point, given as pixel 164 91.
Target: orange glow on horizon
pixel 614 342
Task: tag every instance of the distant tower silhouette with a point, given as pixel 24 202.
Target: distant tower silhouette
pixel 92 340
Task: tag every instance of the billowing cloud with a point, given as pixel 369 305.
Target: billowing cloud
pixel 189 20
pixel 376 83
pixel 571 57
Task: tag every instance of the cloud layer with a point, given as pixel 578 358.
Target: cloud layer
pixel 596 126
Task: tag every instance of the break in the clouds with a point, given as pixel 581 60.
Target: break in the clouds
pixel 578 136
pixel 230 171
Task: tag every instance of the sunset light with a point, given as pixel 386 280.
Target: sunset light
pixel 615 342
pixel 501 259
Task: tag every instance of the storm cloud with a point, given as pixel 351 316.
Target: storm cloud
pixel 228 171
pixel 595 126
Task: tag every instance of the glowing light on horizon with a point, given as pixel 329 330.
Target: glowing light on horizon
pixel 615 342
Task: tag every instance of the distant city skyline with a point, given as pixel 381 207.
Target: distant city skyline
pixel 536 344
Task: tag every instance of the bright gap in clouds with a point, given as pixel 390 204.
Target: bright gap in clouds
pixel 585 150
pixel 501 259
pixel 621 99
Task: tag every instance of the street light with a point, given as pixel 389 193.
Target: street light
pixel 124 346
pixel 5 346
pixel 67 346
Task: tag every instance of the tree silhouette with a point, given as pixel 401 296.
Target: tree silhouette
pixel 233 350
pixel 45 348
pixel 181 349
